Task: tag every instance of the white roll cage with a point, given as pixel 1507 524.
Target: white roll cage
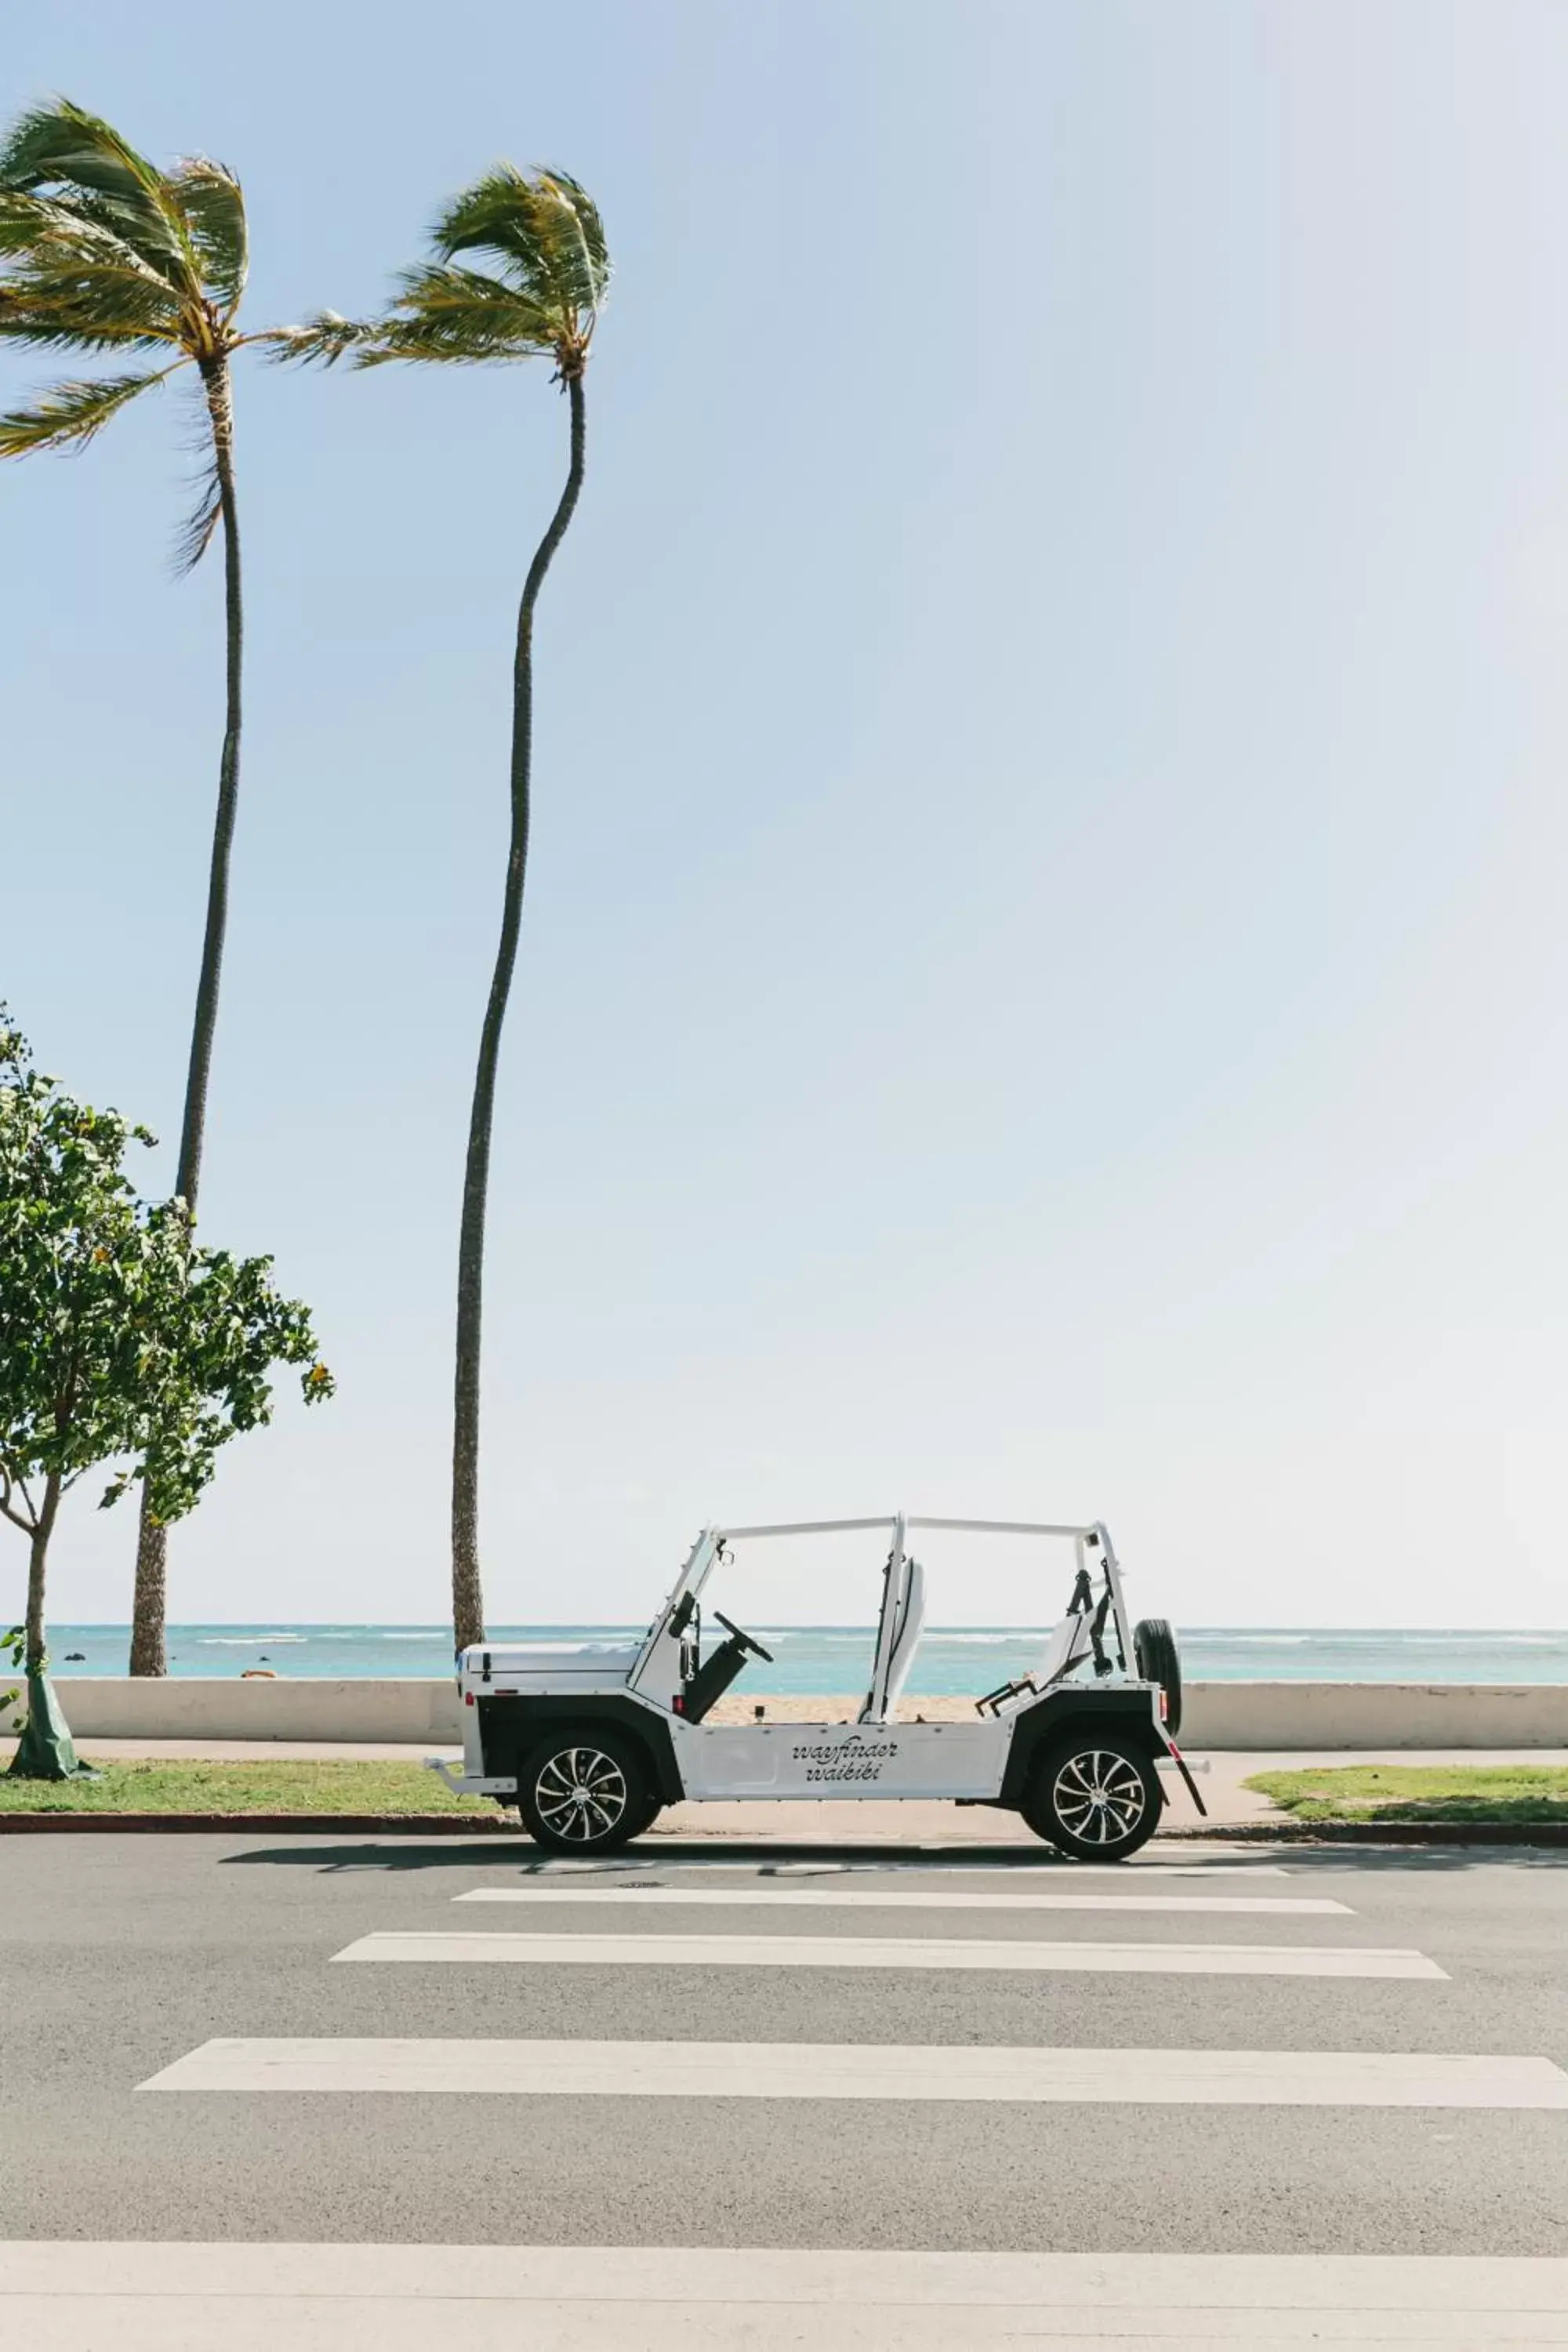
pixel 900 1616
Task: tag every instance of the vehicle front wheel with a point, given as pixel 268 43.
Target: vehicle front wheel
pixel 1094 1795
pixel 584 1792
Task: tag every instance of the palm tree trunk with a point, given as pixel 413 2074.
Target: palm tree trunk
pixel 148 1656
pixel 468 1594
pixel 149 1650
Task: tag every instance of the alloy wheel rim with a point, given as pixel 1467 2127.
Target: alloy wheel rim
pixel 580 1795
pixel 1099 1796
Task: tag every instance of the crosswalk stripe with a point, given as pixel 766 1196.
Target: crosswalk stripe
pixel 676 1951
pixel 791 2070
pixel 645 1896
pixel 147 2297
pixel 316 2298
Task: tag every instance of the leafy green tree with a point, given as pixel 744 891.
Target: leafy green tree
pixel 102 253
pixel 121 1342
pixel 13 1648
pixel 539 295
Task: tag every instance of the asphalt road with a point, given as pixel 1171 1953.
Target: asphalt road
pixel 121 1955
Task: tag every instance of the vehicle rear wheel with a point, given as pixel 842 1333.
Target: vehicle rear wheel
pixel 584 1791
pixel 1094 1795
pixel 1159 1661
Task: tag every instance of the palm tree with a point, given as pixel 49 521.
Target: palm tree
pixel 103 253
pixel 540 297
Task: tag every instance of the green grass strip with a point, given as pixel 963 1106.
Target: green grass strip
pixel 1420 1792
pixel 293 1786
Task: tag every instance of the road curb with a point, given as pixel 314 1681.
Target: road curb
pixel 441 1825
pixel 233 1824
pixel 1293 1833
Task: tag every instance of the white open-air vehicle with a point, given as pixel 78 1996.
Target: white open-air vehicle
pixel 590 1744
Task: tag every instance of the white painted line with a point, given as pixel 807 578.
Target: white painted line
pixel 644 1896
pixel 796 2070
pixel 146 2298
pixel 1031 1868
pixel 452 1947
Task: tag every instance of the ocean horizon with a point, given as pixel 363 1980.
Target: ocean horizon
pixel 832 1660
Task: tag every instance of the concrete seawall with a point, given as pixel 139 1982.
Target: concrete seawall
pixel 1267 1715
pixel 115 1707
pixel 1250 1715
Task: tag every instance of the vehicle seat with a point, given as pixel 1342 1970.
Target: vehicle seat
pixel 908 1619
pixel 906 1642
pixel 1069 1643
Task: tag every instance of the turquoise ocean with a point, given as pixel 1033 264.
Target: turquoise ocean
pixel 824 1660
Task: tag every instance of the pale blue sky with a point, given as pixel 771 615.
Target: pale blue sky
pixel 1042 985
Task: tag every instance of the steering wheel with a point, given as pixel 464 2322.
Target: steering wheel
pixel 745 1640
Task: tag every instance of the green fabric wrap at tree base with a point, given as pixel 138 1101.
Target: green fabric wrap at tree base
pixel 45 1750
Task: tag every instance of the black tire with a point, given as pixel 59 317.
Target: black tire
pixel 1095 1795
pixel 586 1792
pixel 1160 1661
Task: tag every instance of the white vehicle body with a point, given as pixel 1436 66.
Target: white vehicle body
pixel 648 1702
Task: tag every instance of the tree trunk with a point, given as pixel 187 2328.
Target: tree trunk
pixel 468 1594
pixel 148 1655
pixel 38 1560
pixel 45 1751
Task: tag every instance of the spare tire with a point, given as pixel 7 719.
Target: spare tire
pixel 1159 1661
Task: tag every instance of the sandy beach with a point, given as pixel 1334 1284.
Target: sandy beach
pixel 735 1707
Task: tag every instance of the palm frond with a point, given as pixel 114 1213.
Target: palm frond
pixel 437 314
pixel 544 230
pixel 23 221
pixel 48 142
pixel 195 534
pixel 86 289
pixel 50 232
pixel 62 147
pixel 77 219
pixel 67 415
pixel 209 196
pixel 459 314
pixel 573 236
pixel 590 227
pixel 210 428
pixel 552 268
pixel 54 329
pixel 492 217
pixel 327 338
